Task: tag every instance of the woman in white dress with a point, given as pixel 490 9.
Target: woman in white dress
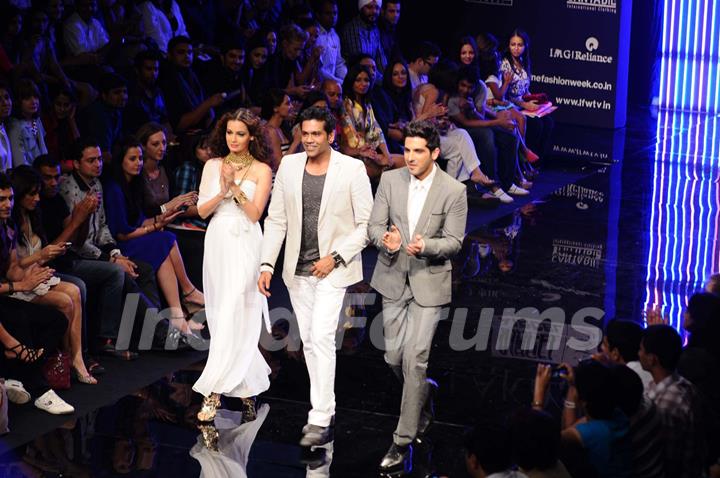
pixel 234 190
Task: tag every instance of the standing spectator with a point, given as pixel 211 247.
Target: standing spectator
pixel 424 56
pixel 146 102
pixel 361 35
pixel 189 110
pixel 620 346
pixel 27 134
pixel 102 120
pixel 163 21
pixel 332 64
pixel 6 159
pixel 388 22
pixel 677 401
pixel 61 127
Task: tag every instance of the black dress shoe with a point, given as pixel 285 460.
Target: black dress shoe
pixel 397 461
pixel 427 414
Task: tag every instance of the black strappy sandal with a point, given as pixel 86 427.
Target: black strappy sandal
pixel 25 353
pixel 190 306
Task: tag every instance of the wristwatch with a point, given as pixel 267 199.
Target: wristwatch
pixel 337 258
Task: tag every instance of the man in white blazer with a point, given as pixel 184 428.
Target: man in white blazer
pixel 320 207
pixel 417 224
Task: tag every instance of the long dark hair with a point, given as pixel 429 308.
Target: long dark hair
pixel 467 40
pixel 525 57
pixel 24 89
pixel 272 99
pixel 349 80
pixel 402 99
pixel 259 147
pixel 132 190
pixel 25 180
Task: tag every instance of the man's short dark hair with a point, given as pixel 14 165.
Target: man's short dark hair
pixel 319 114
pixel 75 151
pixel 5 181
pixel 595 387
pixel 110 81
pixel 535 439
pixel 490 445
pixel 625 336
pixel 232 42
pixel 665 343
pixel 45 160
pixel 178 40
pixel 424 50
pixel 425 130
pixel 147 55
pixel 318 4
pixel 469 73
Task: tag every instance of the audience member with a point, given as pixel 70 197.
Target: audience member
pixel 376 96
pixel 283 68
pixel 276 111
pixel 6 159
pixel 646 428
pixel 535 444
pixel 333 94
pixel 467 51
pixel 32 250
pixel 361 35
pixel 516 61
pixel 224 75
pixel 86 40
pixel 143 238
pixel 387 23
pixel 82 189
pixel 603 433
pixel 310 56
pixel 187 178
pixel 156 180
pixel 488 453
pixel 146 103
pixel 254 72
pixel 362 136
pixel 103 119
pixel 677 402
pixel 122 19
pixel 620 346
pixel 424 56
pixel 190 110
pixel 61 127
pixel 712 285
pixel 27 134
pixel 332 64
pixel 201 20
pixel 396 84
pixel 163 21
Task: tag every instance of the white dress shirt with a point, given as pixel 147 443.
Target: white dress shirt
pixel 417 194
pixel 81 37
pixel 157 26
pixel 332 64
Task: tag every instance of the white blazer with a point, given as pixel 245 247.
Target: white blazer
pixel 342 222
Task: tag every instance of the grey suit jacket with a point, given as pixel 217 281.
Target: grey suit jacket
pixel 442 225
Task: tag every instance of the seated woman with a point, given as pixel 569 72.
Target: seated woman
pixel 362 136
pixel 31 250
pixel 275 110
pixel 61 125
pixel 396 85
pixel 143 238
pixel 467 51
pixel 188 174
pixel 26 133
pixel 516 64
pixel 155 179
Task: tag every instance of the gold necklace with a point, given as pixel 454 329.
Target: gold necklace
pixel 239 160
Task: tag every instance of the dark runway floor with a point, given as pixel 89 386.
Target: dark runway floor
pixel 619 221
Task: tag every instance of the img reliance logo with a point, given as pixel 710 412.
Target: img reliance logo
pixel 591 45
pixel 604 6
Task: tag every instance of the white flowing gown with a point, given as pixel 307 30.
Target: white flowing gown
pixel 235 308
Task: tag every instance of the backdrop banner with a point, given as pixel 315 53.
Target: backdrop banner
pixel 579 51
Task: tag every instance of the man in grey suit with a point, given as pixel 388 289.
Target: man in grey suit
pixel 319 208
pixel 418 224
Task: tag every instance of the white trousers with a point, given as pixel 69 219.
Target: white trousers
pixel 317 305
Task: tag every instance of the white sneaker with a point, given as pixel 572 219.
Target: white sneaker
pixel 502 196
pixel 516 190
pixel 16 392
pixel 52 403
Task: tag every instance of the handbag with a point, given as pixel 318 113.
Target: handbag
pixel 56 371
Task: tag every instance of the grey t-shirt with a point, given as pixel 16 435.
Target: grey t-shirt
pixel 312 189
